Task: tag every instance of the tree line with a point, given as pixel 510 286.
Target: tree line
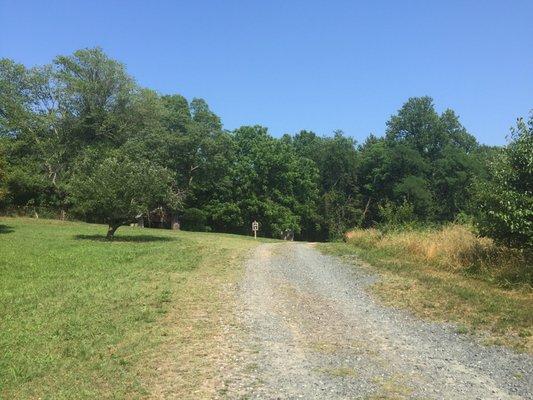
pixel 79 137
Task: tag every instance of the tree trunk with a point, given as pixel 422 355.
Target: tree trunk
pixel 175 223
pixel 111 230
pixel 363 217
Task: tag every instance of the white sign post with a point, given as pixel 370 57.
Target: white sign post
pixel 255 228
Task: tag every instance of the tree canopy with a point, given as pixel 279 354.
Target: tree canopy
pixel 79 134
pixel 117 191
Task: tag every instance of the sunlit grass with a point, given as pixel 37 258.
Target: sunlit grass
pixel 83 317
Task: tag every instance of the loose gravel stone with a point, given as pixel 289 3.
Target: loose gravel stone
pixel 306 327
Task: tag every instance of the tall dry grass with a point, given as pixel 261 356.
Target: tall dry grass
pixel 454 248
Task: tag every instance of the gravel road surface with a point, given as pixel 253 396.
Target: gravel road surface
pixel 307 327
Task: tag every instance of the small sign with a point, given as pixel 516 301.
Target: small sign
pixel 255 228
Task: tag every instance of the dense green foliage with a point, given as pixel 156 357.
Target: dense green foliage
pixel 506 200
pixel 426 169
pixel 117 191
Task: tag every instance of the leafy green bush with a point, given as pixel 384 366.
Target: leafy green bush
pixel 194 219
pixel 506 200
pixel 396 216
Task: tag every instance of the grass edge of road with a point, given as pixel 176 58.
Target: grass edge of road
pixel 499 316
pixel 185 365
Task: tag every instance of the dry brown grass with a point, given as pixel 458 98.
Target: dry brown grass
pixel 453 248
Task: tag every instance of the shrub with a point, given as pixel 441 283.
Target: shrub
pixel 194 219
pixel 454 248
pixel 395 216
pixel 506 201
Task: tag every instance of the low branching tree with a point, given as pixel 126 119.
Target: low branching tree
pixel 117 190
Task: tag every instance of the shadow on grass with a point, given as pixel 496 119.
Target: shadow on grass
pixel 125 238
pixel 6 229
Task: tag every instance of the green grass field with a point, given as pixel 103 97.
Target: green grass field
pixel 82 317
pixel 139 316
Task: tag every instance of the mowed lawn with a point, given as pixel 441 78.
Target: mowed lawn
pixel 82 317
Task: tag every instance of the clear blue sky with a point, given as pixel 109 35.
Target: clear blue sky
pixel 291 65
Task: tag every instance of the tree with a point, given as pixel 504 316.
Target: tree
pixel 442 190
pixel 269 183
pixel 85 106
pixel 452 182
pixel 31 122
pixel 3 176
pixel 116 191
pixel 53 113
pixel 95 94
pixel 414 190
pixel 341 212
pixel 506 200
pixel 337 160
pixel 178 115
pixel 393 173
pixel 419 126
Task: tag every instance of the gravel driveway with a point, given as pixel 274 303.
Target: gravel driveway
pixel 306 327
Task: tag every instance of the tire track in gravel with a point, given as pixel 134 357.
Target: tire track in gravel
pixel 306 327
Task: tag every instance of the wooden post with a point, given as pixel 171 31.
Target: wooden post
pixel 255 228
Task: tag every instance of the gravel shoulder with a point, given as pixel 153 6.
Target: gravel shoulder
pixel 306 327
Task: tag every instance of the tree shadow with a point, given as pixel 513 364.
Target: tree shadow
pixel 125 238
pixel 6 229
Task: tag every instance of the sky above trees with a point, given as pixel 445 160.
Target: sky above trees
pixel 302 64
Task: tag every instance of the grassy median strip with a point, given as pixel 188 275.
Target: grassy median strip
pixel 82 317
pixel 450 275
